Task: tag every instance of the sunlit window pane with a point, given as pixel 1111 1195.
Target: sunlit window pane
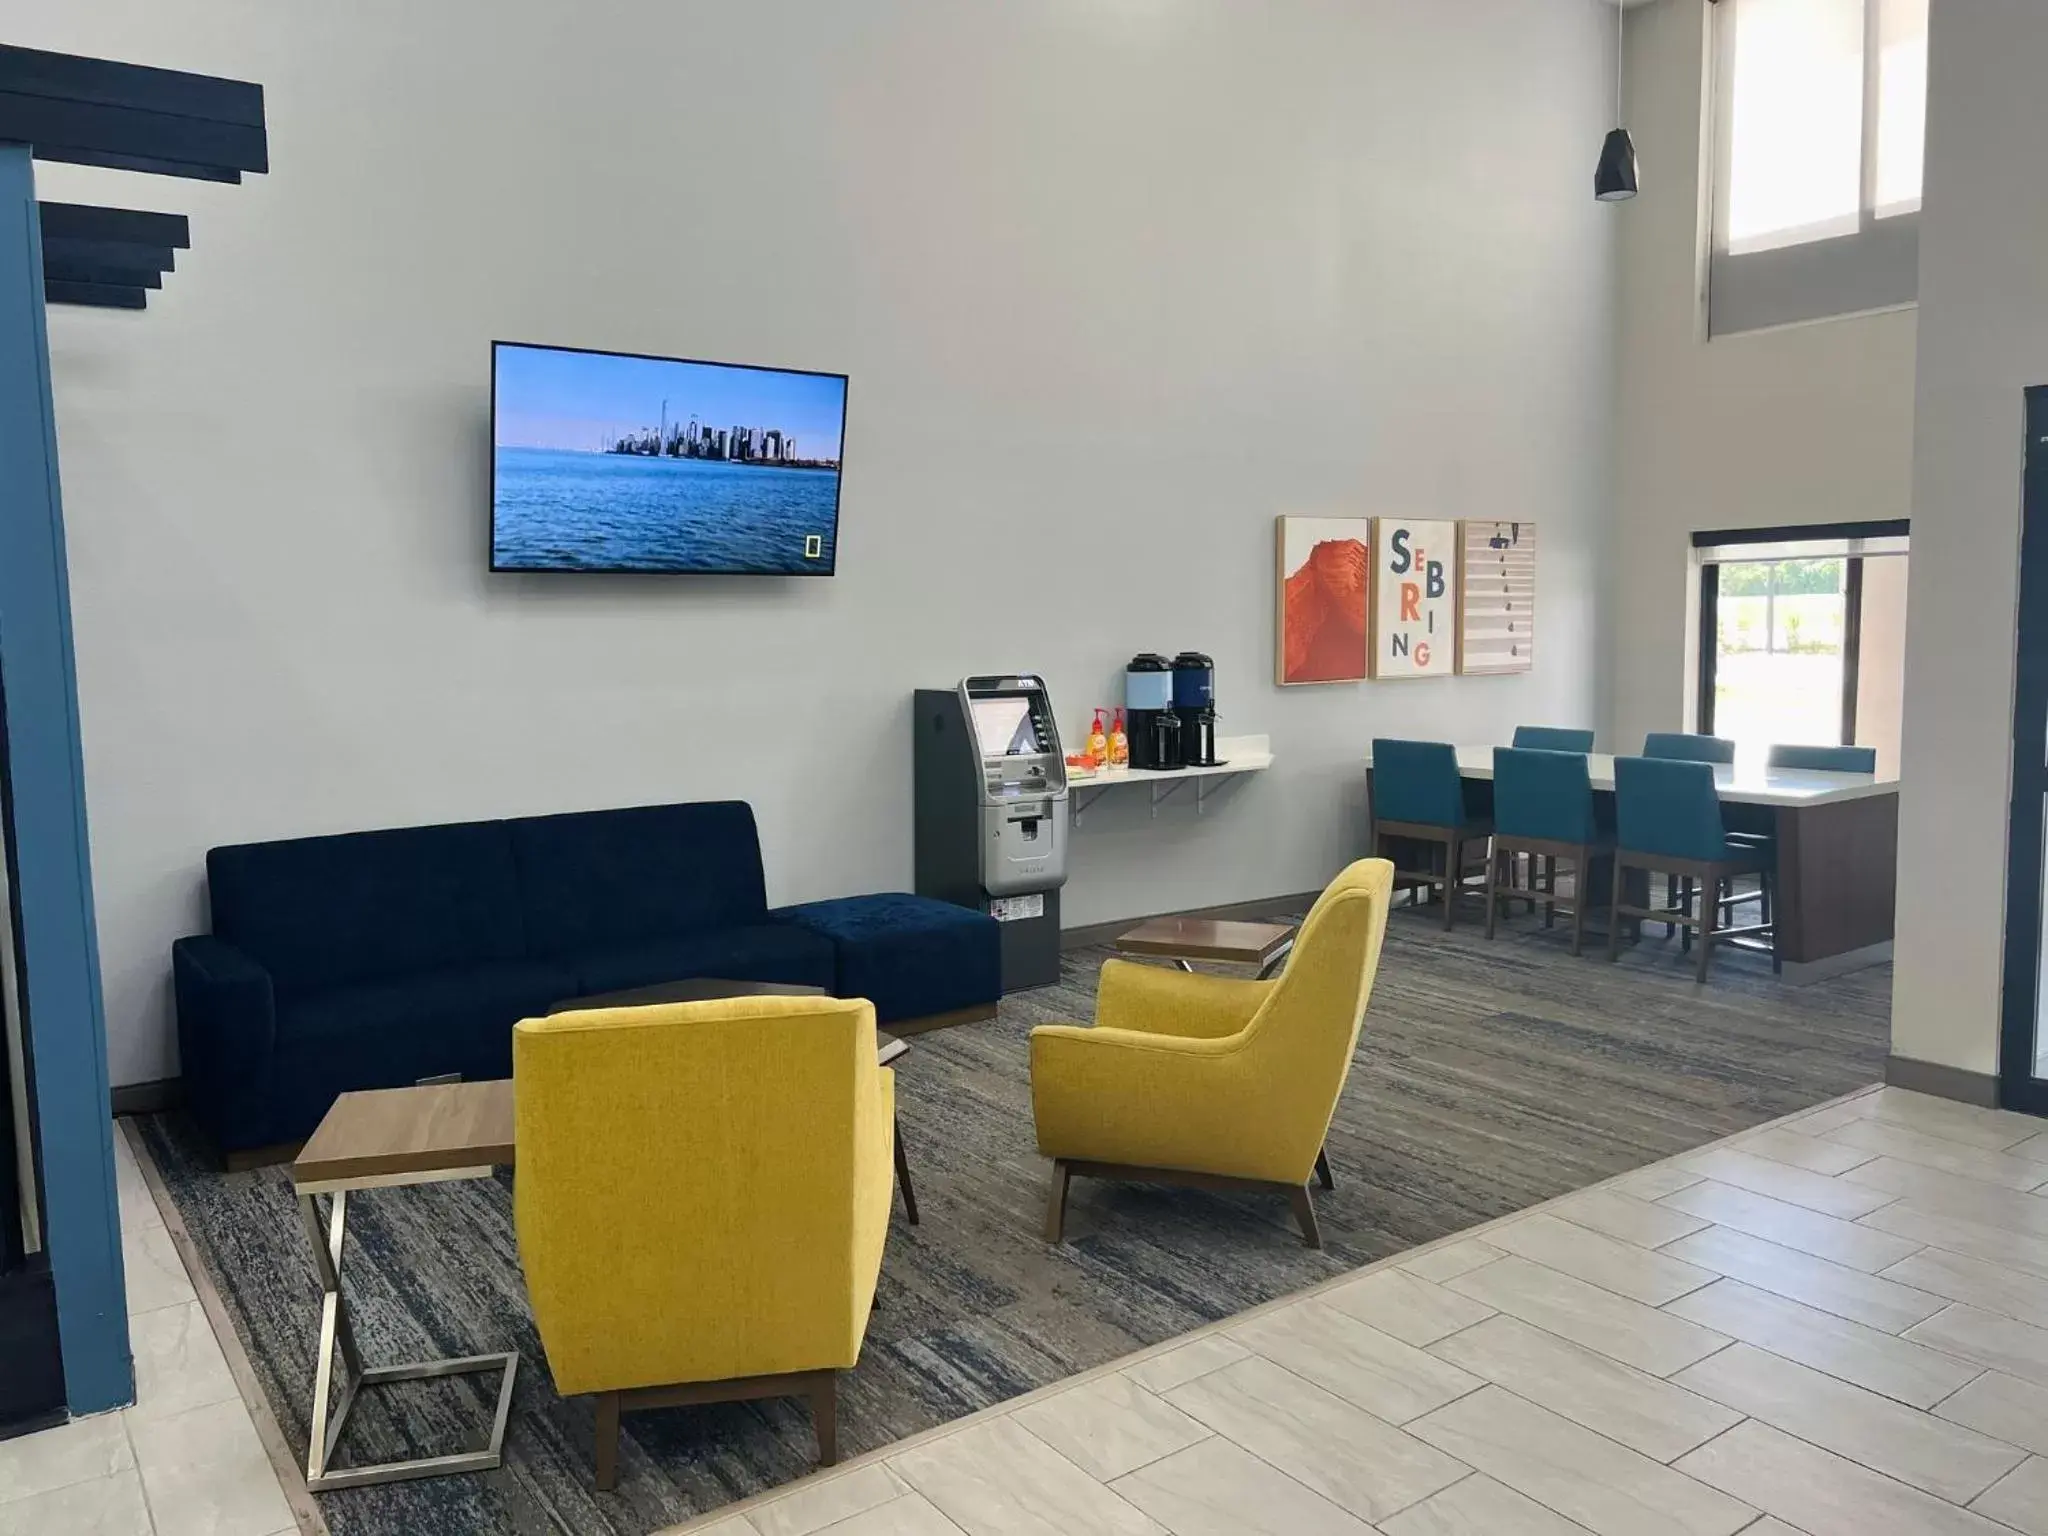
pixel 1901 105
pixel 1796 130
pixel 1778 664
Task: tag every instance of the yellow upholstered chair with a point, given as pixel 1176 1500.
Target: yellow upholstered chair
pixel 1209 1081
pixel 702 1197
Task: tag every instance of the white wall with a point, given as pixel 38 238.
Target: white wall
pixel 1805 424
pixel 1117 281
pixel 1983 340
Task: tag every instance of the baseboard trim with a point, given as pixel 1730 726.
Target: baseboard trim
pixel 1804 973
pixel 151 1098
pixel 1931 1077
pixel 1090 934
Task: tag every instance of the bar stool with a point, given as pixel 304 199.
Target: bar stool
pixel 1553 738
pixel 1826 759
pixel 1418 796
pixel 1689 748
pixel 1543 806
pixel 1668 821
pixel 1682 746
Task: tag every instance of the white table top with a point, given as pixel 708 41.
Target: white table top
pixel 1743 783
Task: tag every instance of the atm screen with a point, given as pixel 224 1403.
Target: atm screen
pixel 1005 727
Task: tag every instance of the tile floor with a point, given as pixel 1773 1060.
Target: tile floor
pixel 185 1460
pixel 1833 1326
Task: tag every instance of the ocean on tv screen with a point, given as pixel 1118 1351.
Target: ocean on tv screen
pixel 604 462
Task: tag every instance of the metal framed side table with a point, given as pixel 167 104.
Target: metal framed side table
pixel 382 1140
pixel 1184 940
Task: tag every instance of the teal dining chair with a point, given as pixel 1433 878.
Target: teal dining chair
pixel 1827 759
pixel 1543 806
pixel 1684 747
pixel 1420 803
pixel 1553 738
pixel 1668 821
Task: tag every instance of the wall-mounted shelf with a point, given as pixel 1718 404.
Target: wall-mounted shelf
pixel 1240 754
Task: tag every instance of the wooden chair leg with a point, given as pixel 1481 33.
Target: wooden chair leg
pixel 1056 1202
pixel 825 1415
pixel 1305 1215
pixel 1614 915
pixel 607 1441
pixel 1323 1169
pixel 1493 865
pixel 1452 850
pixel 1580 895
pixel 1549 883
pixel 1777 955
pixel 1710 914
pixel 903 1176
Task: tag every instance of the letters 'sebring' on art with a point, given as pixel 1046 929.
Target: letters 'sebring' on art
pixel 1414 598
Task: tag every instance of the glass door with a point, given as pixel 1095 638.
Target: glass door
pixel 2023 1046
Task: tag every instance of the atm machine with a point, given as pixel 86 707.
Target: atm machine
pixel 991 813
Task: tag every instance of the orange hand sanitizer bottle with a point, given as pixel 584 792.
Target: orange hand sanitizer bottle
pixel 1119 744
pixel 1098 743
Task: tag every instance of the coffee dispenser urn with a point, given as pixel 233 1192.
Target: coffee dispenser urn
pixel 1153 725
pixel 1194 700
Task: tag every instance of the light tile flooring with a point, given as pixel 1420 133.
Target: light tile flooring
pixel 1833 1326
pixel 186 1459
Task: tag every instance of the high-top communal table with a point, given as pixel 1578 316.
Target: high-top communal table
pixel 1838 844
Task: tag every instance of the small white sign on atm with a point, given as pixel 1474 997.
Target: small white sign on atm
pixel 1010 909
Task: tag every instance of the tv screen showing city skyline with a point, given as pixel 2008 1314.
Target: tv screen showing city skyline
pixel 610 461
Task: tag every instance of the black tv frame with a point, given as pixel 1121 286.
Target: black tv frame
pixel 491 528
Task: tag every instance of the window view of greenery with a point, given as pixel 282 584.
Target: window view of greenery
pixel 1778 662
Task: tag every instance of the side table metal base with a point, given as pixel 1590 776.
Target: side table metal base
pixel 337 1335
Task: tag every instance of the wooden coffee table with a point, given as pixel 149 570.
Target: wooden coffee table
pixel 703 989
pixel 1184 940
pixel 381 1140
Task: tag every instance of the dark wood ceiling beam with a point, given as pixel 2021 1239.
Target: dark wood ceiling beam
pixel 96 295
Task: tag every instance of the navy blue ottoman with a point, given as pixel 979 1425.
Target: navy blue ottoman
pixel 916 959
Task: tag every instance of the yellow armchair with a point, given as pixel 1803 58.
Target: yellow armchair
pixel 1218 1083
pixel 702 1198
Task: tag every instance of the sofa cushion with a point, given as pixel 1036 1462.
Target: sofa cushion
pixel 388 1034
pixel 767 952
pixel 607 879
pixel 320 912
pixel 911 956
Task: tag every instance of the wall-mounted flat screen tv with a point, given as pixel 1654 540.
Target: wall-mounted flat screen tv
pixel 608 461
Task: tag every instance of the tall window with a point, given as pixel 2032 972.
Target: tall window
pixel 1802 637
pixel 1820 119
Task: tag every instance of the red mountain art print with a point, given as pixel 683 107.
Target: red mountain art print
pixel 1323 565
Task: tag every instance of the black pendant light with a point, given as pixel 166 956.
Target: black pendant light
pixel 1614 180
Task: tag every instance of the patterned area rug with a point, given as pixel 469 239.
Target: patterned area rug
pixel 1490 1076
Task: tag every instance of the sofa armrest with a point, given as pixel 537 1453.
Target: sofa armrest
pixel 227 1036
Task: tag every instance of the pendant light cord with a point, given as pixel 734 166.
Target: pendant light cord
pixel 1620 13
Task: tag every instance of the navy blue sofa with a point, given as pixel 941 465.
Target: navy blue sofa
pixel 374 959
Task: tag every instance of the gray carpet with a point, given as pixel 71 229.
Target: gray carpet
pixel 1490 1076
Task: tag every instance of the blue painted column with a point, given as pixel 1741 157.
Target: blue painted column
pixel 60 947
